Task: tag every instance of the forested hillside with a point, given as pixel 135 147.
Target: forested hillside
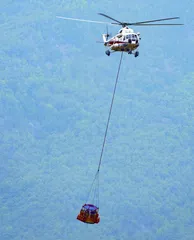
pixel 56 86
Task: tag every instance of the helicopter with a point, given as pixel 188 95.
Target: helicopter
pixel 126 40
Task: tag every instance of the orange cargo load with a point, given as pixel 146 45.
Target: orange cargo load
pixel 89 214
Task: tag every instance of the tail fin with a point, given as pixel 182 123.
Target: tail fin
pixel 105 37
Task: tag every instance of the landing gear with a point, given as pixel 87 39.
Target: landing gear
pixel 136 54
pixel 129 52
pixel 107 53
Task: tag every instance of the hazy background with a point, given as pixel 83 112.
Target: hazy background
pixel 56 85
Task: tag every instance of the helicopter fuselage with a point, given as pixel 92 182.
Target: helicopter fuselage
pixel 126 40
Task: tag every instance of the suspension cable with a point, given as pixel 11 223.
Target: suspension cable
pixel 107 125
pixel 95 184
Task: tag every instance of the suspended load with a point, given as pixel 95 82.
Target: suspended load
pixel 89 214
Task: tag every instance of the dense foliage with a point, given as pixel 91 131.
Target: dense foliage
pixel 56 85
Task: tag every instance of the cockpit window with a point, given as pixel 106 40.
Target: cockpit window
pixel 128 36
pixel 134 37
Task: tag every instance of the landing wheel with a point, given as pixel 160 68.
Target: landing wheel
pixel 129 52
pixel 136 54
pixel 107 53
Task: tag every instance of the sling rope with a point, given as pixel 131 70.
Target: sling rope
pixel 94 190
pixel 110 111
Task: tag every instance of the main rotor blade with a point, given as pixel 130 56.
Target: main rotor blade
pixel 83 20
pixel 157 20
pixel 158 24
pixel 110 18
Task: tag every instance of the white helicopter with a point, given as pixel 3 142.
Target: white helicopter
pixel 126 40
